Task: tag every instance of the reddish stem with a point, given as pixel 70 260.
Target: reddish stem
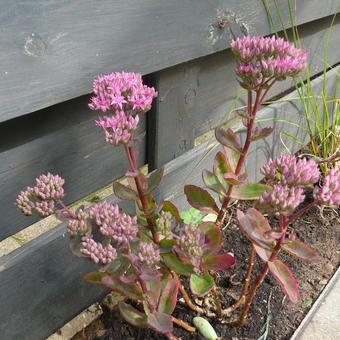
pixel 133 167
pixel 300 212
pixel 71 214
pixel 252 114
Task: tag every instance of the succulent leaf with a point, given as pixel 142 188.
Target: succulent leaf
pixel 301 250
pixel 132 315
pixel 200 199
pixel 201 284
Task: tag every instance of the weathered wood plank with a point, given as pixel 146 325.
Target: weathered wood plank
pixel 51 50
pixel 39 283
pixel 62 139
pixel 195 95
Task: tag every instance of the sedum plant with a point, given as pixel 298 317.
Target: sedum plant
pixel 144 257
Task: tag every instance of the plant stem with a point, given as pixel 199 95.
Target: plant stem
pixel 71 214
pixel 259 279
pixel 246 284
pixel 217 301
pixel 133 167
pixel 300 212
pixel 252 110
pixel 185 295
pixel 170 336
pixel 184 325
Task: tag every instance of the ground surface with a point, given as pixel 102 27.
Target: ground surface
pixel 323 233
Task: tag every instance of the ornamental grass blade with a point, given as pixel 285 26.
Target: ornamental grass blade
pixel 168 298
pixel 285 279
pixel 254 225
pixel 301 250
pixel 219 262
pixel 123 192
pixel 200 199
pixel 132 315
pixel 227 137
pixel 160 322
pixel 201 284
pixel 249 191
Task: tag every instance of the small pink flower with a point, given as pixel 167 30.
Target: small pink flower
pixel 329 193
pixel 148 254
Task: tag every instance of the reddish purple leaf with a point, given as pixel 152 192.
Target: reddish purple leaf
pixel 227 137
pixel 272 234
pixel 172 209
pixel 231 158
pixel 213 237
pixel 254 225
pixel 200 199
pixel 219 262
pixel 168 299
pixel 285 279
pixel 260 133
pixel 124 192
pixel 232 179
pixel 301 250
pixel 160 322
pixel 262 253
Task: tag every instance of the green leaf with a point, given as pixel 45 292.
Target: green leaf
pixel 123 192
pixel 205 328
pixel 249 191
pixel 133 316
pixel 221 168
pixel 200 199
pixel 168 299
pixel 154 179
pixel 219 261
pixel 301 250
pixel 227 137
pixel 254 225
pixel 166 245
pixel 154 288
pixel 260 133
pixel 191 216
pixel 211 181
pixel 201 284
pixel 172 209
pixel 130 290
pixel 232 157
pixel 173 262
pixel 285 279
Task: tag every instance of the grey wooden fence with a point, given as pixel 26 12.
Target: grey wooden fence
pixel 51 51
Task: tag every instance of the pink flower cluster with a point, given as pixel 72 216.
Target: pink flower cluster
pixel 97 252
pixel 191 242
pixel 118 128
pixel 292 171
pixel 148 254
pixel 121 227
pixel 329 193
pixel 42 197
pixel 262 58
pixel 123 91
pixel 282 199
pixel 289 177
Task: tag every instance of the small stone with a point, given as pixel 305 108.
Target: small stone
pixel 323 282
pixel 329 268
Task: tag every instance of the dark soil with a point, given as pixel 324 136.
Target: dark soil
pixel 321 232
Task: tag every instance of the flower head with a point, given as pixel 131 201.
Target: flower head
pixel 282 199
pixel 122 91
pixel 97 252
pixel 121 227
pixel 165 223
pixel 148 254
pixel 118 128
pixel 41 197
pixel 329 193
pixel 266 57
pixel 292 171
pixel 191 242
pixel 79 224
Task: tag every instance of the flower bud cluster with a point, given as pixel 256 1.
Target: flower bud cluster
pixel 42 197
pixel 79 224
pixel 118 128
pixel 148 254
pixel 121 227
pixel 289 177
pixel 165 223
pixel 329 193
pixel 97 252
pixel 292 171
pixel 281 199
pixel 266 57
pixel 190 242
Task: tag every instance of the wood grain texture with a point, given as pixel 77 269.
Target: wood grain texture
pixel 62 139
pixel 51 50
pixel 195 96
pixel 40 283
